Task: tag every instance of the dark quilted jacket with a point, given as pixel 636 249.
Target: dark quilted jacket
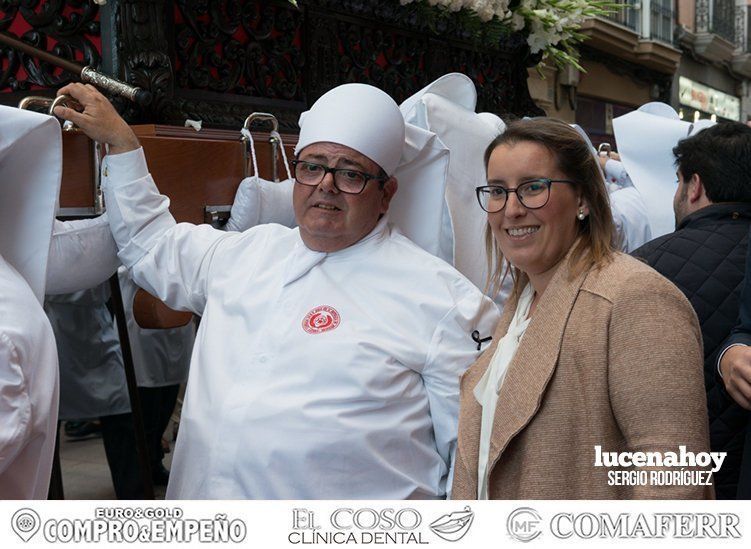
pixel 705 257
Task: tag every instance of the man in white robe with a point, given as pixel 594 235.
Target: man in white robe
pixel 328 358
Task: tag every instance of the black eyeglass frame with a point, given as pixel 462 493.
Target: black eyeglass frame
pixel 327 170
pixel 548 182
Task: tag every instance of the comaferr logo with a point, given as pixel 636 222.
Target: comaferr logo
pixel 321 319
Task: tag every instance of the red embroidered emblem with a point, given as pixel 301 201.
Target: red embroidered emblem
pixel 321 319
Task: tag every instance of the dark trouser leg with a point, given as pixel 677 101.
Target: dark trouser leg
pixel 120 447
pixel 157 404
pixel 56 480
pixel 119 439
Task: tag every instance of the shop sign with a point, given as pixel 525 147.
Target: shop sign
pixel 709 100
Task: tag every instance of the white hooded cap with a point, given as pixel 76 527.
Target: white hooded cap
pixel 30 172
pixel 646 138
pixel 659 109
pixel 455 87
pixel 358 116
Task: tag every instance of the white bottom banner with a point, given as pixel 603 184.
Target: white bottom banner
pixel 272 524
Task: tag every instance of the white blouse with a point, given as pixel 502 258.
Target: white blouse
pixel 487 389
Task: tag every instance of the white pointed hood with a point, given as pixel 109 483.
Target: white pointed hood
pixel 30 172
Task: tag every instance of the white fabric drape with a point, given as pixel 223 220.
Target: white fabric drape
pixel 487 389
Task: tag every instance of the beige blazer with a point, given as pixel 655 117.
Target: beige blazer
pixel 611 358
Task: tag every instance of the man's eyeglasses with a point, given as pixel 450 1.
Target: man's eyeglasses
pixel 532 194
pixel 346 180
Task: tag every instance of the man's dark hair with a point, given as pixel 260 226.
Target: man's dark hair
pixel 721 155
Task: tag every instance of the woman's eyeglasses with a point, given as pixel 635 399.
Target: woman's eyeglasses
pixel 533 194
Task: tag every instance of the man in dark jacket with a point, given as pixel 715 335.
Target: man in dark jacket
pixel 705 257
pixel 735 369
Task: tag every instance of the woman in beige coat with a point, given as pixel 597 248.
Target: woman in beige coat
pixel 595 349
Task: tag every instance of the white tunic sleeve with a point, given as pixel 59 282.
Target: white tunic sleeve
pixel 169 260
pixel 452 351
pixel 630 218
pixel 628 208
pixel 83 254
pixel 15 404
pixel 615 173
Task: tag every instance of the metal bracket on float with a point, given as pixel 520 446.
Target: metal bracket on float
pixel 216 216
pixel 265 117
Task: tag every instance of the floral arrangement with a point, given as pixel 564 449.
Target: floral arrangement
pixel 552 25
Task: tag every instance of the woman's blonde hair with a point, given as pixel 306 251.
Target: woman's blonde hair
pixel 574 157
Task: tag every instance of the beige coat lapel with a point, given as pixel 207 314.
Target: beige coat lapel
pixel 529 372
pixel 535 360
pixel 470 409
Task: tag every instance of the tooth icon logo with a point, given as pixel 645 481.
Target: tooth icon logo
pixel 25 523
pixel 454 526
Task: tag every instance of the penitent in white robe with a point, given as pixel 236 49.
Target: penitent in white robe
pixel 28 390
pixel 314 375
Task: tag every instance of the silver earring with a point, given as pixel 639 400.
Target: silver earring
pixel 581 215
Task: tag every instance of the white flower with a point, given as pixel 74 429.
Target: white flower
pixel 552 24
pixel 536 42
pixel 517 22
pixel 456 5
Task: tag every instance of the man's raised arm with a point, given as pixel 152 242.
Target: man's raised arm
pixel 168 260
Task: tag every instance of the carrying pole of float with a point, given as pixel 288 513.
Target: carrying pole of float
pixel 87 75
pixel 144 459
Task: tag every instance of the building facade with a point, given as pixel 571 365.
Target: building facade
pixel 693 55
